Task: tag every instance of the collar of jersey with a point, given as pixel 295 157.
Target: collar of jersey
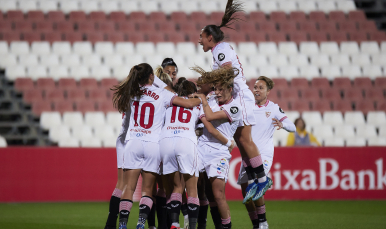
pixel 216 46
pixel 265 104
pixel 227 102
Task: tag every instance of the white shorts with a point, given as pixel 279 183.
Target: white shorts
pixel 247 101
pixel 178 154
pixel 120 147
pixel 142 155
pixel 243 177
pixel 215 162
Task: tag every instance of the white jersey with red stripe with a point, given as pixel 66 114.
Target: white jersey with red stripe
pixel 148 113
pixel 181 122
pixel 226 127
pixel 212 101
pixel 224 54
pixel 262 132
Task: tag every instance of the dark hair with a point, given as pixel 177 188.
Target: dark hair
pixel 131 86
pixel 179 81
pixel 169 62
pixel 186 87
pixel 300 119
pixel 268 81
pixel 228 19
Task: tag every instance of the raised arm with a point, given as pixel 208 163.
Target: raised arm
pixel 209 114
pixel 186 103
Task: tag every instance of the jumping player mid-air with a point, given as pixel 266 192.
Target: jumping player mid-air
pixel 269 116
pixel 224 56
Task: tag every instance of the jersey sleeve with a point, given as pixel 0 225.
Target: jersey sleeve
pixel 279 113
pixel 159 83
pixel 201 113
pixel 168 98
pixel 232 111
pixel 222 56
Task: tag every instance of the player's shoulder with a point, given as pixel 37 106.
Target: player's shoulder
pixel 275 107
pixel 234 107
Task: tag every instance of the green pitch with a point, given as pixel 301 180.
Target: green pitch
pixel 280 214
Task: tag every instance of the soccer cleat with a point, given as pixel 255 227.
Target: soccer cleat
pixel 140 226
pixel 174 227
pixel 263 187
pixel 122 225
pixel 263 225
pixel 186 222
pixel 250 191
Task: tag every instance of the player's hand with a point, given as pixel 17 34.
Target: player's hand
pixel 233 145
pixel 277 123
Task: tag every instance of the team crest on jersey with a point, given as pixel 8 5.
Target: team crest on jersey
pixel 267 113
pixel 221 56
pixel 234 110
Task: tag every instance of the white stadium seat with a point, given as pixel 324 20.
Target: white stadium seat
pixel 89 6
pixel 209 6
pixel 113 60
pixel 289 72
pixel 104 47
pixel 81 132
pixel 360 59
pixel 333 118
pixel 8 5
pixel 372 71
pixel 351 71
pixel 109 142
pixel 114 119
pixel 189 6
pixel 340 59
pixel 166 48
pixel 268 6
pixel 47 6
pixel 355 142
pixel 109 6
pixel 129 6
pixel 40 47
pixel 91 142
pixel 333 142
pixel 169 6
pixel 26 6
pixel 70 59
pixel 320 60
pixel 379 141
pixel 19 47
pixel 90 60
pixel 278 60
pixel 148 6
pixel 3 47
pixel 267 48
pixel 288 48
pixel 50 119
pixel 366 131
pixel 121 72
pixel 268 71
pixel 298 60
pixel 193 60
pixel 132 60
pixel 326 6
pixel 307 6
pixel 292 115
pixel 3 142
pixel 68 5
pixel 68 142
pixel 72 119
pixel 331 71
pixel 247 48
pixel 57 72
pixel 102 132
pixel 28 60
pixel 346 6
pixel 355 118
pixel 61 47
pixel 281 136
pixel 250 72
pixel 186 48
pixel 323 131
pixel 8 60
pixel 125 48
pixel 309 48
pixel 344 131
pixel 312 118
pixel 258 60
pixel 59 132
pixel 36 72
pixel 154 60
pixel 376 118
pixel 379 59
pixel 287 6
pixel 250 6
pixel 94 119
pixel 329 47
pixel 51 59
pixel 145 48
pixel 82 47
pixel 13 72
pixel 100 72
pixel 349 47
pixel 383 46
pixel 369 47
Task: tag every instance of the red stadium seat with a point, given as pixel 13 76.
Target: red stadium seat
pixel 44 26
pixel 35 15
pixel 338 36
pixel 368 26
pixel 342 105
pixel 347 26
pixel 287 26
pixel 115 37
pixel 357 15
pixel 39 106
pixel 45 83
pixel 363 82
pixel 107 83
pixel 330 94
pixel 380 82
pixel 157 16
pixel 278 16
pixel 307 26
pixel 86 26
pixel 365 106
pixel 11 36
pixel 317 16
pixel 375 94
pixel 1 16
pixel 73 37
pixel 300 105
pixel 32 95
pixel 257 37
pixel 55 16
pixel 381 106
pixel 327 26
pixel 77 16
pixel 22 84
pixel 32 36
pixel 136 37
pixel 85 106
pixel 318 36
pixel 97 16
pixel 177 37
pixel 23 26
pixel 280 83
pixel 117 16
pixel 337 16
pixel 64 26
pixel 310 93
pixel 297 16
pixel 358 36
pixel 146 26
pixel 247 26
pixel 298 36
pixel 105 106
pixel 15 15
pixel 353 94
pixel 378 36
pixel 257 16
pixel 341 83
pixel 273 95
pixel 67 83
pixel 289 94
pixel 192 37
pixel 166 26
pixel 5 26
pixel 106 26
pixel 198 17
pixel 238 37
pixel 52 36
pixel 94 37
pixel 137 16
pixel 155 37
pixel 321 105
pixel 178 16
pixel 126 26
pixel 267 26
pixel 97 94
pixel 88 83
pixel 76 95
pixel 187 26
pixel 320 83
pixel 53 95
pixel 64 106
pixel 276 37
pixel 216 16
pixel 299 83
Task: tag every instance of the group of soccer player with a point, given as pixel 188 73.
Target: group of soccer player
pixel 181 140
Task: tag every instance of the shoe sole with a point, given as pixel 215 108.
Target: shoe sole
pixel 264 190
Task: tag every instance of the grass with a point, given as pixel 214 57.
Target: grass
pixel 280 214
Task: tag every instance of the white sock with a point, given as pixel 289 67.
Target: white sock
pixel 263 179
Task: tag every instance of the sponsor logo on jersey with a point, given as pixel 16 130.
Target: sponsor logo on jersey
pixel 139 135
pixel 221 56
pixel 177 128
pixel 234 110
pixel 223 161
pixel 267 114
pixel 141 131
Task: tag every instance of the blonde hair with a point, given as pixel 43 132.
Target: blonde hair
pixel 159 72
pixel 222 76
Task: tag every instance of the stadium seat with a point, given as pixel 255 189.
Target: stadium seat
pixel 247 48
pixel 268 48
pixel 76 94
pixel 50 120
pixel 333 118
pixel 333 142
pixel 372 71
pixel 354 118
pixel 56 133
pixel 340 59
pixel 269 71
pixel 323 131
pixel 63 106
pixel 331 71
pixel 278 60
pixel 9 61
pixel 369 47
pixel 68 142
pixel 94 119
pixel 376 118
pixel 352 71
pixel 113 60
pixel 363 82
pixel 361 59
pixel 355 142
pixel 100 72
pixel 258 60
pixel 28 60
pixel 327 26
pixel 320 83
pixel 91 60
pixel 321 106
pixel 312 118
pixel 104 132
pixel 105 106
pixel 366 131
pixel 344 131
pixel 298 37
pixel 298 60
pixel 82 132
pixel 349 47
pixel 329 48
pixel 379 141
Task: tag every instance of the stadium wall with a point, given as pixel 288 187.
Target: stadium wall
pixel 89 174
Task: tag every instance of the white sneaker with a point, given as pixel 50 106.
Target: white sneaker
pixel 263 225
pixel 186 222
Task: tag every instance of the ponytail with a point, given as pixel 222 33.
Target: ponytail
pixel 159 72
pixel 131 86
pixel 186 88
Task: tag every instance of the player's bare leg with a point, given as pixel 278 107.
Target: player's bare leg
pixel 218 188
pixel 193 201
pixel 146 202
pixel 115 199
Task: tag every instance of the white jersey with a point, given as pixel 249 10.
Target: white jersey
pixel 212 101
pixel 148 112
pixel 223 54
pixel 181 122
pixel 226 127
pixel 262 132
